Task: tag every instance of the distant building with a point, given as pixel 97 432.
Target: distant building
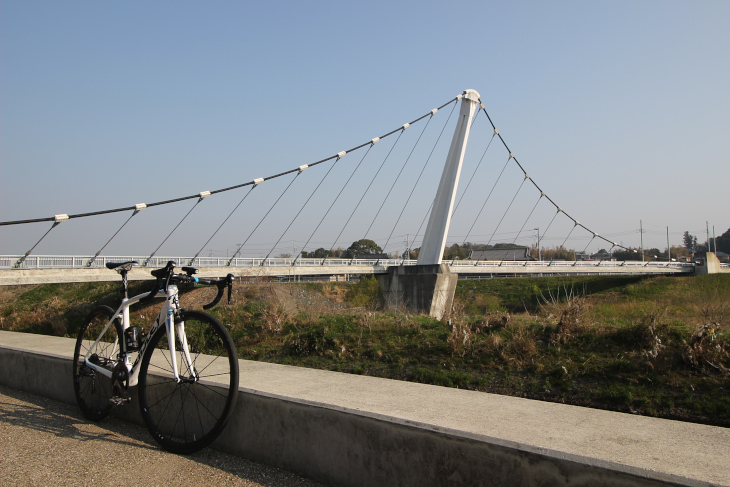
pixel 517 254
pixel 601 255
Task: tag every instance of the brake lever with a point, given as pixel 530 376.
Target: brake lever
pixel 229 282
pixel 222 284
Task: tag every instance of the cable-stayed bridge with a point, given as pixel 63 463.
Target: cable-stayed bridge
pixel 380 190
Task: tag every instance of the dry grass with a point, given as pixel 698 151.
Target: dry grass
pixel 567 312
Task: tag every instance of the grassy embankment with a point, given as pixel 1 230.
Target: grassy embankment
pixel 656 346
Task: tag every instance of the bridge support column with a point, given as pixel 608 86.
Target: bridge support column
pixel 420 288
pixel 706 263
pixel 434 239
pixel 429 286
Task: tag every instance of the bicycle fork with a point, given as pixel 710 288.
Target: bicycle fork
pixel 179 328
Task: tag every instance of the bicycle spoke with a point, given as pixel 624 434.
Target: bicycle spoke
pixel 212 390
pixel 191 415
pixel 163 398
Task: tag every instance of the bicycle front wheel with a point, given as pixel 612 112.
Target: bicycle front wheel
pixel 186 415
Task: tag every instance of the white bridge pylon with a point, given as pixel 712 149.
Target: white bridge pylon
pixel 437 230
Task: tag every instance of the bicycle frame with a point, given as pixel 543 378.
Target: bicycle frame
pixel 166 316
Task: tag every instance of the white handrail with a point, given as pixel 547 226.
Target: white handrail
pixel 81 262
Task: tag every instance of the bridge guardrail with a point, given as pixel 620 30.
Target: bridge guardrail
pixel 82 262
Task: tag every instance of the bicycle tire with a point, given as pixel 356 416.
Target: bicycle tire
pixel 93 390
pixel 187 416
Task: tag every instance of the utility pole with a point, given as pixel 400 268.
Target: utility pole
pixel 669 249
pixel 641 229
pixel 707 227
pixel 714 239
pixel 539 254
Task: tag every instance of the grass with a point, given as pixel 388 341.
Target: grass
pixel 648 345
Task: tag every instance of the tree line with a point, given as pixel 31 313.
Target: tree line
pixel 462 251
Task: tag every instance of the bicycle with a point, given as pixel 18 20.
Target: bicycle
pixel 186 368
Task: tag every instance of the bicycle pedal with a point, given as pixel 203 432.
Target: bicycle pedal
pixel 119 401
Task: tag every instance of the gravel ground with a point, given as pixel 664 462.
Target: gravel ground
pixel 47 442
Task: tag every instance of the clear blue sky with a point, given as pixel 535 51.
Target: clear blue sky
pixel 619 110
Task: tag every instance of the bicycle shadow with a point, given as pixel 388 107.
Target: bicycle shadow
pixel 66 421
pixel 63 420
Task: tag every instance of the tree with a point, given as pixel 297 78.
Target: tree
pixel 689 242
pixel 363 246
pixel 630 253
pixel 723 242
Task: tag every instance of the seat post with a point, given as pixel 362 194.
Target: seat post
pixel 123 272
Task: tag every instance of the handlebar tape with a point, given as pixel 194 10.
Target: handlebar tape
pixel 163 278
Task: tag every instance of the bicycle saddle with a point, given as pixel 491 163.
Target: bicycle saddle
pixel 121 266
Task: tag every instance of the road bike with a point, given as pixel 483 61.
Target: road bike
pixel 186 368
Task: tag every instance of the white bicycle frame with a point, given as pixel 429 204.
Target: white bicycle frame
pixel 166 316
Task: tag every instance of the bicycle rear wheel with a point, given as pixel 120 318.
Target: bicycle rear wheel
pixel 184 417
pixel 94 390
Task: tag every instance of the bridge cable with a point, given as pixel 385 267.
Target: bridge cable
pixel 559 211
pixel 419 177
pixel 238 250
pixel 22 259
pixel 505 214
pixel 586 248
pixel 200 198
pixel 396 179
pixel 536 185
pixel 472 176
pixel 372 143
pixel 523 225
pixel 609 252
pixel 91 261
pixel 304 205
pixel 428 212
pixel 562 244
pixel 221 225
pixel 368 188
pixel 423 221
pixel 175 200
pixel 488 196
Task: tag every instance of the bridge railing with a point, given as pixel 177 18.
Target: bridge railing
pixel 82 262
pixel 570 263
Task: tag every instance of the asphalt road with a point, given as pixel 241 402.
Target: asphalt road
pixel 47 442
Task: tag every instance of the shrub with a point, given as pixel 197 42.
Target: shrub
pixel 365 293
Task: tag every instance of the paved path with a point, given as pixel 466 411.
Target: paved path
pixel 47 442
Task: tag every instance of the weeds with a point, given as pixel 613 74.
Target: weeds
pixel 568 311
pixel 654 346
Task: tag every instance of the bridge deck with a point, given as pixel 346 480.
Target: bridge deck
pixel 58 269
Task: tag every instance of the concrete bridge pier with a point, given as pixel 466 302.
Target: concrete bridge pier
pixel 706 263
pixel 419 288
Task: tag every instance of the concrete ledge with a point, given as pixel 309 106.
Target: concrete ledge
pixel 356 431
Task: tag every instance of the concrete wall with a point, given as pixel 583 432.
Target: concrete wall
pixel 352 441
